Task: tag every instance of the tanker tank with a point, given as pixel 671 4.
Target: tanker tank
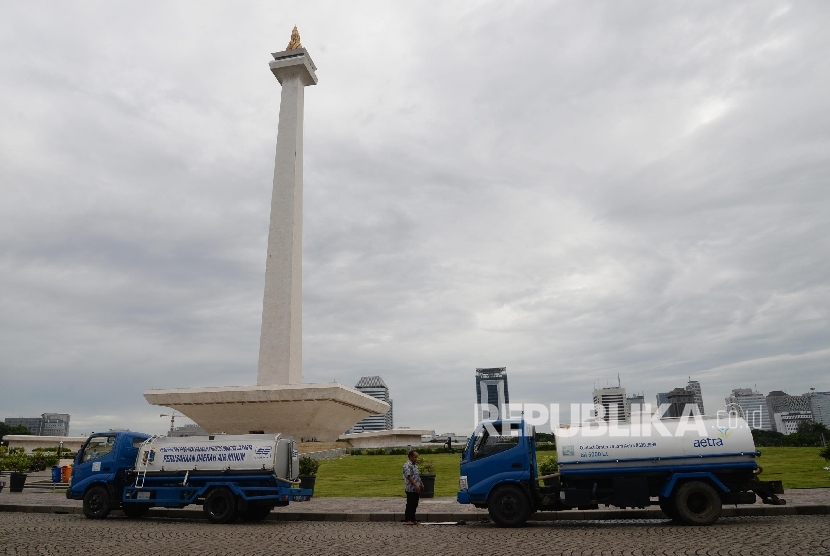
pixel 674 444
pixel 275 454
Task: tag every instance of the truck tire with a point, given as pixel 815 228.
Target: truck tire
pixel 135 511
pixel 697 503
pixel 97 502
pixel 667 507
pixel 255 513
pixel 220 506
pixel 509 506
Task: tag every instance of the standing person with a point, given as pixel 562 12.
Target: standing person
pixel 413 486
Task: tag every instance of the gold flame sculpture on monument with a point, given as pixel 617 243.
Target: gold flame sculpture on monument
pixel 294 43
pixel 280 401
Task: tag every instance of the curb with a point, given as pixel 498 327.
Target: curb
pixel 364 517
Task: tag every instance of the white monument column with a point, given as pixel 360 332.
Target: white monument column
pixel 281 337
pixel 280 402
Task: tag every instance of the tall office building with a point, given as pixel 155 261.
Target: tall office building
pixel 612 401
pixel 491 389
pixel 678 399
pixel 781 402
pixel 819 406
pixel 54 424
pixel 636 400
pixel 787 422
pixel 694 387
pixel 48 424
pixel 375 387
pixel 754 407
pixel 31 423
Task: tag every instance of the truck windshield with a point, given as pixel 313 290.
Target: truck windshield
pixel 487 444
pixel 97 447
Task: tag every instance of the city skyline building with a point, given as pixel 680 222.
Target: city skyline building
pixel 48 424
pixel 635 400
pixel 819 406
pixel 678 399
pixel 491 390
pixel 779 401
pixel 375 386
pixel 753 404
pixel 787 422
pixel 613 401
pixel 693 386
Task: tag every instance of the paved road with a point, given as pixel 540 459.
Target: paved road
pixel 23 534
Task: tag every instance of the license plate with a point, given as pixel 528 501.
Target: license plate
pixel 143 496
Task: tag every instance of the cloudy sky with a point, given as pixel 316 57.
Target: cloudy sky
pixel 572 190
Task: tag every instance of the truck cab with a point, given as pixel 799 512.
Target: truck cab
pixel 498 453
pixel 104 461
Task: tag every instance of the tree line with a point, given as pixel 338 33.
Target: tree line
pixel 18 429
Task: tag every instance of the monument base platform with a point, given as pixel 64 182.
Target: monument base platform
pixel 392 438
pixel 322 410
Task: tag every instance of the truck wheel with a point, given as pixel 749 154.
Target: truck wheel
pixel 667 507
pixel 697 503
pixel 509 506
pixel 220 506
pixel 97 502
pixel 135 511
pixel 255 513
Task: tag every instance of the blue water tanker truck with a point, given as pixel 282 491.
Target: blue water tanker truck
pixel 231 476
pixel 689 467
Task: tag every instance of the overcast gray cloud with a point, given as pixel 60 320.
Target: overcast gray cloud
pixel 571 190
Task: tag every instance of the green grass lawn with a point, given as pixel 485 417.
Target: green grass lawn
pixel 381 475
pixel 795 467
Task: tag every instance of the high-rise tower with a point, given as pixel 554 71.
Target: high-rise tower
pixel 491 390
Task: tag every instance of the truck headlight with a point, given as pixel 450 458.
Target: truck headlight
pixel 462 483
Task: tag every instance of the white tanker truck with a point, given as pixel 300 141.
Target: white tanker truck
pixel 690 467
pixel 231 476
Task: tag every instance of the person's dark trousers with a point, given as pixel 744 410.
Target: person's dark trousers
pixel 411 505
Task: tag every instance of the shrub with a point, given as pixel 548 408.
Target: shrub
pixel 546 447
pixel 398 452
pixel 430 450
pixel 547 465
pixel 17 461
pixel 425 466
pixel 308 466
pixel 825 452
pixel 356 452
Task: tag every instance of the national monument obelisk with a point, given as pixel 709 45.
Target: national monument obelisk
pixel 280 402
pixel 281 339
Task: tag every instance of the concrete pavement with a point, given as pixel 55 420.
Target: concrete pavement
pixel 37 534
pixel 799 502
